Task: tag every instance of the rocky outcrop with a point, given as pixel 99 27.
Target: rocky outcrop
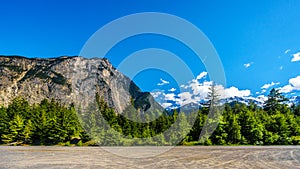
pixel 70 80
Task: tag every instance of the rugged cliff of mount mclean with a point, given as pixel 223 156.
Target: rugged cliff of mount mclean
pixel 70 80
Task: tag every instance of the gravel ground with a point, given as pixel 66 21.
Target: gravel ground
pixel 150 157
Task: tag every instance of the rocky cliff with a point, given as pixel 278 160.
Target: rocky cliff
pixel 70 80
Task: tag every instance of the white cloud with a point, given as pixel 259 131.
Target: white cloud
pixel 296 57
pixel 261 92
pixel 185 95
pixel 233 91
pixel 295 82
pixel 287 51
pixel 199 89
pixel 266 86
pixel 246 65
pixel 162 82
pixel 185 98
pixel 281 67
pixel 195 91
pixel 286 89
pixel 172 90
pixel 156 94
pixel 170 96
pixel 262 98
pixel 201 75
pixel 184 86
pixel 165 105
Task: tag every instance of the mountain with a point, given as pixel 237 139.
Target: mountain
pixel 259 101
pixel 294 100
pixel 189 108
pixel 70 80
pixel 245 100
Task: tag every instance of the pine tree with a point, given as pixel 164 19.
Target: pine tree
pixel 275 101
pixel 15 131
pixel 3 122
pixel 213 96
pixel 234 130
pixel 19 106
pixel 39 121
pixel 296 110
pixel 219 136
pixel 179 129
pixel 251 128
pixel 282 128
pixel 28 131
pixel 198 125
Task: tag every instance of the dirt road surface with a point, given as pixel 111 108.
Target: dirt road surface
pixel 172 157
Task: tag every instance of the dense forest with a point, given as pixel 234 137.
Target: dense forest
pixel 50 123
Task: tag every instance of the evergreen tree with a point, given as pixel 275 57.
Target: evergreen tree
pixel 213 96
pixel 19 106
pixel 251 129
pixel 28 132
pixel 49 123
pixel 198 125
pixel 15 131
pixel 3 123
pixel 219 136
pixel 282 128
pixel 275 101
pixel 296 110
pixel 234 130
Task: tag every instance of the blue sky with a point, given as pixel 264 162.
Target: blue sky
pixel 256 40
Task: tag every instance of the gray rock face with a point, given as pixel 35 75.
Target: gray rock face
pixel 69 80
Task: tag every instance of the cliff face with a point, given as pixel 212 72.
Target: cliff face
pixel 70 80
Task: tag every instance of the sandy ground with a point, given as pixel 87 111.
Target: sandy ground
pixel 150 157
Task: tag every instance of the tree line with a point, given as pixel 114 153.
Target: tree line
pixel 50 123
pixel 46 123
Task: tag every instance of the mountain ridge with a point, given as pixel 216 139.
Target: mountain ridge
pixel 70 79
pixel 190 107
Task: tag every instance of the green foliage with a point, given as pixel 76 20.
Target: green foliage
pixel 234 131
pixel 296 110
pixel 251 128
pixel 46 123
pixel 3 122
pixel 49 123
pixel 15 131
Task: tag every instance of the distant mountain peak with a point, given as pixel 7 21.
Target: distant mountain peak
pixel 294 100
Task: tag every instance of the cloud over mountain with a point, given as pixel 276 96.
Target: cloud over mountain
pixel 196 90
pixel 294 84
pixel 234 91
